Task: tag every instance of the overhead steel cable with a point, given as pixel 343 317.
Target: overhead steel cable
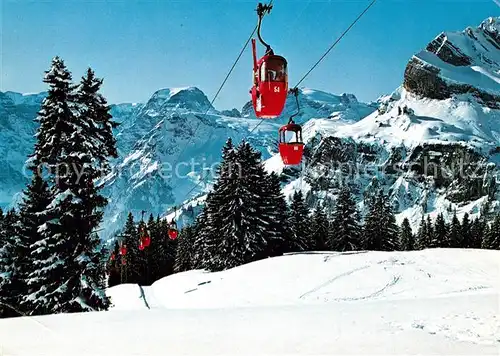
pixel 217 94
pixel 346 31
pixel 335 43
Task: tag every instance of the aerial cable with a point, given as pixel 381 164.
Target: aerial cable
pixel 303 77
pixel 336 42
pixel 257 27
pixel 217 93
pixel 294 90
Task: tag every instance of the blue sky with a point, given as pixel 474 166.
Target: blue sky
pixel 141 46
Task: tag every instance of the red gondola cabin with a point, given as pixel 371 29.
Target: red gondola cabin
pixel 270 84
pixel 291 151
pixel 172 233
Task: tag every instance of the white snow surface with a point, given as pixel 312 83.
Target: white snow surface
pixel 440 301
pixel 458 119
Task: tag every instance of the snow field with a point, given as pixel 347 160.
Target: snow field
pixel 439 301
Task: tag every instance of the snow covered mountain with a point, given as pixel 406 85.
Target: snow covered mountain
pixel 433 144
pixel 17 128
pixel 458 63
pixel 170 144
pixel 166 145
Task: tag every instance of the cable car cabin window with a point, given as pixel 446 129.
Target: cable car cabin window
pixel 291 137
pixel 273 70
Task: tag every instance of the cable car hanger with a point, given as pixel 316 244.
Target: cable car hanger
pixel 295 92
pixel 261 11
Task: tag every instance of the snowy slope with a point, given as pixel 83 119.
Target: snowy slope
pixel 422 302
pixel 458 119
pixel 325 277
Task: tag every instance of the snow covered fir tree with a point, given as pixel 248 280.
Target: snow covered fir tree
pixel 53 259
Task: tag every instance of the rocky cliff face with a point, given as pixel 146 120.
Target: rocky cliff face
pixel 459 63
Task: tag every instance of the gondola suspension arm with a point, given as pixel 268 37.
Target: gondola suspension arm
pixel 261 11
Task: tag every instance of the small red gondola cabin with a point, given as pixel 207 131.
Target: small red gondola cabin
pixel 291 151
pixel 270 84
pixel 173 233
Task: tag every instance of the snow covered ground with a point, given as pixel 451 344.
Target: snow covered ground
pixel 438 301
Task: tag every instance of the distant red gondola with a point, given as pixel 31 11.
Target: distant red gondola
pixel 291 151
pixel 123 250
pixel 172 234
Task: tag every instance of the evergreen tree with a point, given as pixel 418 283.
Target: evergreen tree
pixel 492 236
pixel 422 235
pixel 183 260
pixel 485 235
pixel 200 257
pixel 440 232
pixel 69 256
pixel 11 283
pixel 158 248
pixel 244 216
pixel 380 231
pixel 114 266
pixel 454 233
pixel 209 223
pixel 407 237
pixel 465 233
pixel 237 216
pixel 300 224
pixel 431 234
pixel 345 234
pixel 477 231
pixel 131 269
pixel 320 228
pixel 52 279
pixel 391 241
pixel 93 112
pixel 275 216
pixel 36 198
pixel 55 116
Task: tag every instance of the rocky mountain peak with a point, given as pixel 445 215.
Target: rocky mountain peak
pixel 188 98
pixel 466 62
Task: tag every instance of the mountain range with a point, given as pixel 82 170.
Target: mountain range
pixel 445 115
